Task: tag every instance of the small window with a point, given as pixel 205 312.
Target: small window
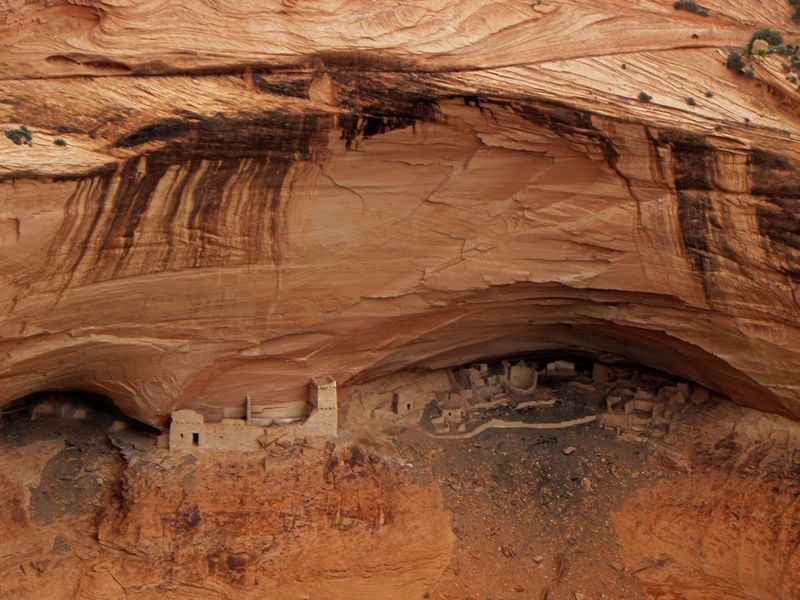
pixel 195 439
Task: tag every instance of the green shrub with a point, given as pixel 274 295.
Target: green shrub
pixel 772 37
pixel 691 6
pixel 645 97
pixel 60 142
pixel 20 136
pixel 691 101
pixel 735 61
pixel 796 5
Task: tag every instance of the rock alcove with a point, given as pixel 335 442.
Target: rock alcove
pixel 202 206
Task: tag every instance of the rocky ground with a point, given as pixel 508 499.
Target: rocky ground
pixel 531 513
pixel 707 510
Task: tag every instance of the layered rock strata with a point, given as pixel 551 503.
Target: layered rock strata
pixel 224 203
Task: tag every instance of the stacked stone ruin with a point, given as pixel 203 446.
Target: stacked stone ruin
pixel 189 430
pixel 476 389
pixel 621 404
pixel 629 409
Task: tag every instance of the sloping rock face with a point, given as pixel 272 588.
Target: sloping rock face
pixel 222 202
pixel 87 521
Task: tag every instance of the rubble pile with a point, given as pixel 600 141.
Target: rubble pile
pixel 632 405
pixel 481 387
pixel 625 399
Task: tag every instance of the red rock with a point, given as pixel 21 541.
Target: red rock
pixel 401 197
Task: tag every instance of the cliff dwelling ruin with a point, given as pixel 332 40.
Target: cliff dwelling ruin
pixel 433 299
pixel 188 429
pixel 622 399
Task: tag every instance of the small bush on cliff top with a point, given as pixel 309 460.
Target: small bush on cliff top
pixel 692 6
pixel 796 5
pixel 772 37
pixel 645 97
pixel 735 61
pixel 20 136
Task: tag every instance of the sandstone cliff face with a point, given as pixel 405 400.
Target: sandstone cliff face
pixel 250 195
pixel 89 521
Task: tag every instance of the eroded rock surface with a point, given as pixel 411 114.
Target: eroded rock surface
pixel 724 523
pixel 227 202
pixel 699 503
pixel 88 520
